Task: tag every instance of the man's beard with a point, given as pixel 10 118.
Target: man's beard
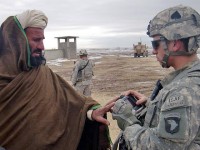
pixel 37 60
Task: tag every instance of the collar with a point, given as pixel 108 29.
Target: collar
pixel 191 66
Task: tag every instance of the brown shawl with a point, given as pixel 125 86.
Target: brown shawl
pixel 38 109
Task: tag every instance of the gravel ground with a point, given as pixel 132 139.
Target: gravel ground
pixel 115 73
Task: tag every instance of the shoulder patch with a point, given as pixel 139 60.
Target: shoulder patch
pixel 175 101
pixel 172 123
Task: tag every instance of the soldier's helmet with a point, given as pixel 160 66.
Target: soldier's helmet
pixel 175 23
pixel 83 52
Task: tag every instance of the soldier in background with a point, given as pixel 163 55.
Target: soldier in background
pixel 82 74
pixel 172 120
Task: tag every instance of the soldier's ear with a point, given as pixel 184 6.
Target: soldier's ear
pixel 177 45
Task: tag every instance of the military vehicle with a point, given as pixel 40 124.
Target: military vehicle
pixel 140 50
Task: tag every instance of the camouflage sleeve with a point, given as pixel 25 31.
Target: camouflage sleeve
pixel 177 128
pixel 75 73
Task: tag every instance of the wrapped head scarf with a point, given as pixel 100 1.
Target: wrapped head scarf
pixel 33 18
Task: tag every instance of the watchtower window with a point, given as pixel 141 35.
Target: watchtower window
pixel 62 40
pixel 71 40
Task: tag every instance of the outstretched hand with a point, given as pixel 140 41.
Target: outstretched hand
pixel 98 114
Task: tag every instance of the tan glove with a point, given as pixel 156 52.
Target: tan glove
pixel 124 113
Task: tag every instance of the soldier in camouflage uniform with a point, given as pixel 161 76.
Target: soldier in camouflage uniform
pixel 172 120
pixel 82 74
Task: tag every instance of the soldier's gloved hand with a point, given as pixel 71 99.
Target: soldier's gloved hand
pixel 124 113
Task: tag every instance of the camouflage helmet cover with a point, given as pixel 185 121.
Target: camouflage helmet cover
pixel 175 23
pixel 83 52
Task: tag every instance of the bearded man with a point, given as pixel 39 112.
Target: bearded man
pixel 38 109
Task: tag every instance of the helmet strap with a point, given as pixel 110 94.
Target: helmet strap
pixel 167 53
pixel 165 60
pixel 193 44
pixel 192 48
pixel 181 53
pixel 177 53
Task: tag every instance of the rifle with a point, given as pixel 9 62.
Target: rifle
pixel 156 90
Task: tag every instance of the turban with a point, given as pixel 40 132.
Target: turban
pixel 33 18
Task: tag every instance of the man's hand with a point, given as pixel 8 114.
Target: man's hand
pixel 141 98
pixel 98 114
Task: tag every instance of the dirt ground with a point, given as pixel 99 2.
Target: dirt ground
pixel 114 74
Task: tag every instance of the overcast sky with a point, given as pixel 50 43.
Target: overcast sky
pixel 98 23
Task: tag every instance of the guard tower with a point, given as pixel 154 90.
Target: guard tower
pixel 68 45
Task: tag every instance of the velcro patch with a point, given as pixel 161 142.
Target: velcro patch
pixel 172 123
pixel 174 102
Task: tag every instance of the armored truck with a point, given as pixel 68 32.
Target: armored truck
pixel 140 50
